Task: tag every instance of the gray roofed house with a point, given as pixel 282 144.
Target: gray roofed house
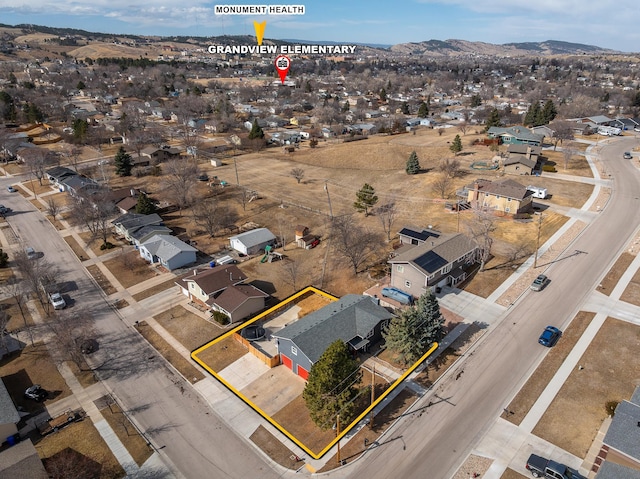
pixel 611 470
pixel 127 224
pixel 439 261
pixel 57 174
pixel 251 242
pixel 239 301
pixel 140 235
pixel 78 185
pixel 621 443
pixel 169 251
pixel 523 160
pixel 355 319
pixel 507 197
pixel 22 462
pixel 416 236
pixel 515 135
pixel 9 416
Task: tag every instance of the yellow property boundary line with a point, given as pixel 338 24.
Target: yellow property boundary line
pixel 345 431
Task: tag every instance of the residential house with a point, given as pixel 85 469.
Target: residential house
pixel 355 319
pixel 523 160
pixel 543 130
pixel 440 260
pixel 21 461
pixel 79 185
pixel 625 124
pixel 506 197
pixel 252 242
pixel 129 223
pixel 168 251
pixel 516 135
pixel 222 289
pixel 363 128
pixel 619 455
pixel 58 174
pixel 9 416
pixel 415 236
pixel 158 155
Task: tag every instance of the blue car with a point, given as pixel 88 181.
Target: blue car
pixel 549 336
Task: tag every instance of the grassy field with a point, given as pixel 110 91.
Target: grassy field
pixel 129 268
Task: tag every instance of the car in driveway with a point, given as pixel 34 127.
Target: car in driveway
pixel 627 155
pixel 36 393
pixel 549 336
pixel 57 301
pixel 11 189
pixel 539 283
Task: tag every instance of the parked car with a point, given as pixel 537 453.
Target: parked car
pixel 542 467
pixel 11 189
pixel 539 283
pixel 31 253
pixel 88 346
pixel 626 155
pixel 57 301
pixel 4 210
pixel 549 336
pixel 36 393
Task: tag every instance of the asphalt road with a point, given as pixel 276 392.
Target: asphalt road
pixel 177 421
pixel 433 442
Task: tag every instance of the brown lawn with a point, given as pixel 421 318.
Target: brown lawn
pixel 18 320
pixel 273 448
pixel 76 248
pixel 539 380
pixel 94 243
pixel 222 354
pixel 184 366
pixel 153 290
pixel 32 365
pixel 511 474
pixel 588 390
pixel 129 268
pixel 631 293
pixel 127 433
pixel 84 438
pixel 101 279
pixel 190 329
pixel 615 273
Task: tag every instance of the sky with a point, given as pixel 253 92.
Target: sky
pixel 604 23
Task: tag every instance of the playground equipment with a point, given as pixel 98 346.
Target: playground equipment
pixel 267 250
pixel 270 255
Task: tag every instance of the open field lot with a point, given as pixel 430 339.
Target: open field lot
pixel 129 268
pixel 588 390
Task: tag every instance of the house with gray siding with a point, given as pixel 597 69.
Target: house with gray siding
pixel 168 251
pixel 439 261
pixel 355 319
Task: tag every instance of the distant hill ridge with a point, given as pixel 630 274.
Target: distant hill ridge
pixel 437 48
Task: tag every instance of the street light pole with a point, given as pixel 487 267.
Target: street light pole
pixel 338 436
pixel 326 254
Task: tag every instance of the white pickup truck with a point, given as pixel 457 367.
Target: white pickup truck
pixel 57 301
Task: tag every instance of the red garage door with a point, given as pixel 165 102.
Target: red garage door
pixel 286 361
pixel 303 373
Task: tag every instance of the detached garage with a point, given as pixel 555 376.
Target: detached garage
pixel 252 242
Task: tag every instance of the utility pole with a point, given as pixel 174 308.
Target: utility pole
pixel 326 254
pixel 373 393
pixel 338 436
pixel 535 259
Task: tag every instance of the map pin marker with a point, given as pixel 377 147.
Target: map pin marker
pixel 282 63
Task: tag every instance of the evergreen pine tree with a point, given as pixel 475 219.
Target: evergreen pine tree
pixel 405 108
pixel 549 112
pixel 256 131
pixel 331 386
pixel 346 107
pixel 366 199
pixel 476 101
pixel 4 259
pixel 413 164
pixel 493 119
pixel 145 206
pixel 123 162
pixel 383 95
pixel 533 115
pixel 456 145
pixel 415 329
pixel 423 110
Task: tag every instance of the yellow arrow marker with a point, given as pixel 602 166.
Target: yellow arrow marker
pixel 259 30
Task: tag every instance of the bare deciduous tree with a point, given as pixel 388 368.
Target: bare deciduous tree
pixel 94 212
pixel 292 272
pixel 70 329
pixel 180 180
pixel 15 290
pixel 450 166
pixel 53 208
pixel 481 228
pixel 297 173
pixel 567 154
pixel 387 214
pixel 354 243
pixel 33 271
pixel 463 127
pixel 212 216
pixel 442 185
